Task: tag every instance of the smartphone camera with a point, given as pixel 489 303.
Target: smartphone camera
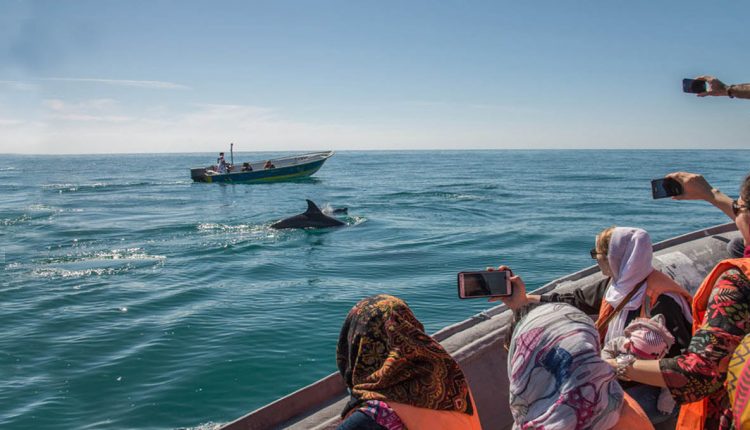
pixel 694 86
pixel 484 284
pixel 665 187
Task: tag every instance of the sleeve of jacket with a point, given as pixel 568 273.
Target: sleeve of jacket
pixel 589 301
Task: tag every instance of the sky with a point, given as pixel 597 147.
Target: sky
pixel 192 76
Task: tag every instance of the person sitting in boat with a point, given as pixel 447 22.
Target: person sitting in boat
pixel 710 378
pixel 269 165
pixel 633 289
pixel 557 379
pixel 221 164
pixel 246 167
pixel 398 376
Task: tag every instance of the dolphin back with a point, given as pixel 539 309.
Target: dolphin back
pixel 313 217
pixel 312 209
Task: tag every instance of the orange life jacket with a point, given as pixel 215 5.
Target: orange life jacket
pixel 693 415
pixel 415 418
pixel 632 416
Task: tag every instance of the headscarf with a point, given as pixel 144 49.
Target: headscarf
pixel 629 255
pixel 384 354
pixel 558 381
pixel 649 337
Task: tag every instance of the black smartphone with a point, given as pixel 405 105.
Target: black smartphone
pixel 665 187
pixel 694 86
pixel 484 284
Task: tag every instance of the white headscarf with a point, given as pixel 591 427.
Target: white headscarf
pixel 629 256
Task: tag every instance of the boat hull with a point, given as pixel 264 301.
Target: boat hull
pixel 258 175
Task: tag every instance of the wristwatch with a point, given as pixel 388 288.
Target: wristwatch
pixel 623 362
pixel 729 91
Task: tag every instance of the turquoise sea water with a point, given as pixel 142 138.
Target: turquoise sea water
pixel 134 298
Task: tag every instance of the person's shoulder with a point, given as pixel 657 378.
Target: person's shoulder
pixel 736 277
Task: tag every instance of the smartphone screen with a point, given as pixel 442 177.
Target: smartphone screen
pixel 483 284
pixel 665 187
pixel 694 86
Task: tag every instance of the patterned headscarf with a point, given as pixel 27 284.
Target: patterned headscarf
pixel 384 354
pixel 557 379
pixel 649 337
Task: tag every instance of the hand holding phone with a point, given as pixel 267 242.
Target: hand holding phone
pixel 665 187
pixel 694 86
pixel 494 283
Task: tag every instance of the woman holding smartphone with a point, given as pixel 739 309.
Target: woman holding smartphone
pixel 711 379
pixel 633 289
pixel 557 377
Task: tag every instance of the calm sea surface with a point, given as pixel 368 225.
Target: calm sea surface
pixel 134 298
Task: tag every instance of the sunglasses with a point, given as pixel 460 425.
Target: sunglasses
pixel 594 253
pixel 737 208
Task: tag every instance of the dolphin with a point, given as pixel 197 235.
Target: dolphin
pixel 313 217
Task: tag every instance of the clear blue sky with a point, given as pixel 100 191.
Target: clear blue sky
pixel 184 76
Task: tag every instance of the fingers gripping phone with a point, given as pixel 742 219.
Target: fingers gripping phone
pixel 694 86
pixel 665 187
pixel 484 284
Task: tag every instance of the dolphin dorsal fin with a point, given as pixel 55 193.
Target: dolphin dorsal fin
pixel 312 209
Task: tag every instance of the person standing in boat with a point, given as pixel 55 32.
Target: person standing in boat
pixel 221 164
pixel 712 378
pixel 624 255
pixel 398 376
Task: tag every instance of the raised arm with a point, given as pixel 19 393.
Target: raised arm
pixel 695 187
pixel 718 88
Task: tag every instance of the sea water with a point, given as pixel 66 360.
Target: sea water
pixel 134 298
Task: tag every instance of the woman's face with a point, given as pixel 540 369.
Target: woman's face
pixel 601 258
pixel 742 220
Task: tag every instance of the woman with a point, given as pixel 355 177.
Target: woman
pixel 397 375
pixel 557 378
pixel 721 310
pixel 624 254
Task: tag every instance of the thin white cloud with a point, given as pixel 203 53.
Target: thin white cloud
pixel 474 106
pixel 158 85
pixel 106 126
pixel 103 110
pixel 19 85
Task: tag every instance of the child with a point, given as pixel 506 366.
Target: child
pixel 644 339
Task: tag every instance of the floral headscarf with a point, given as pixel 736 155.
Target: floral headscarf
pixel 557 379
pixel 384 354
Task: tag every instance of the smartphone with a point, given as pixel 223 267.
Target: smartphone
pixel 484 284
pixel 694 86
pixel 665 187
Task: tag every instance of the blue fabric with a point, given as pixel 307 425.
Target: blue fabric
pixel 646 396
pixel 359 421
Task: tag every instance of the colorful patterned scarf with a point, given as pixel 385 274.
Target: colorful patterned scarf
pixel 557 379
pixel 384 354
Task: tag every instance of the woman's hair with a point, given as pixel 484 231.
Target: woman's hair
pixel 745 189
pixel 518 315
pixel 603 239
